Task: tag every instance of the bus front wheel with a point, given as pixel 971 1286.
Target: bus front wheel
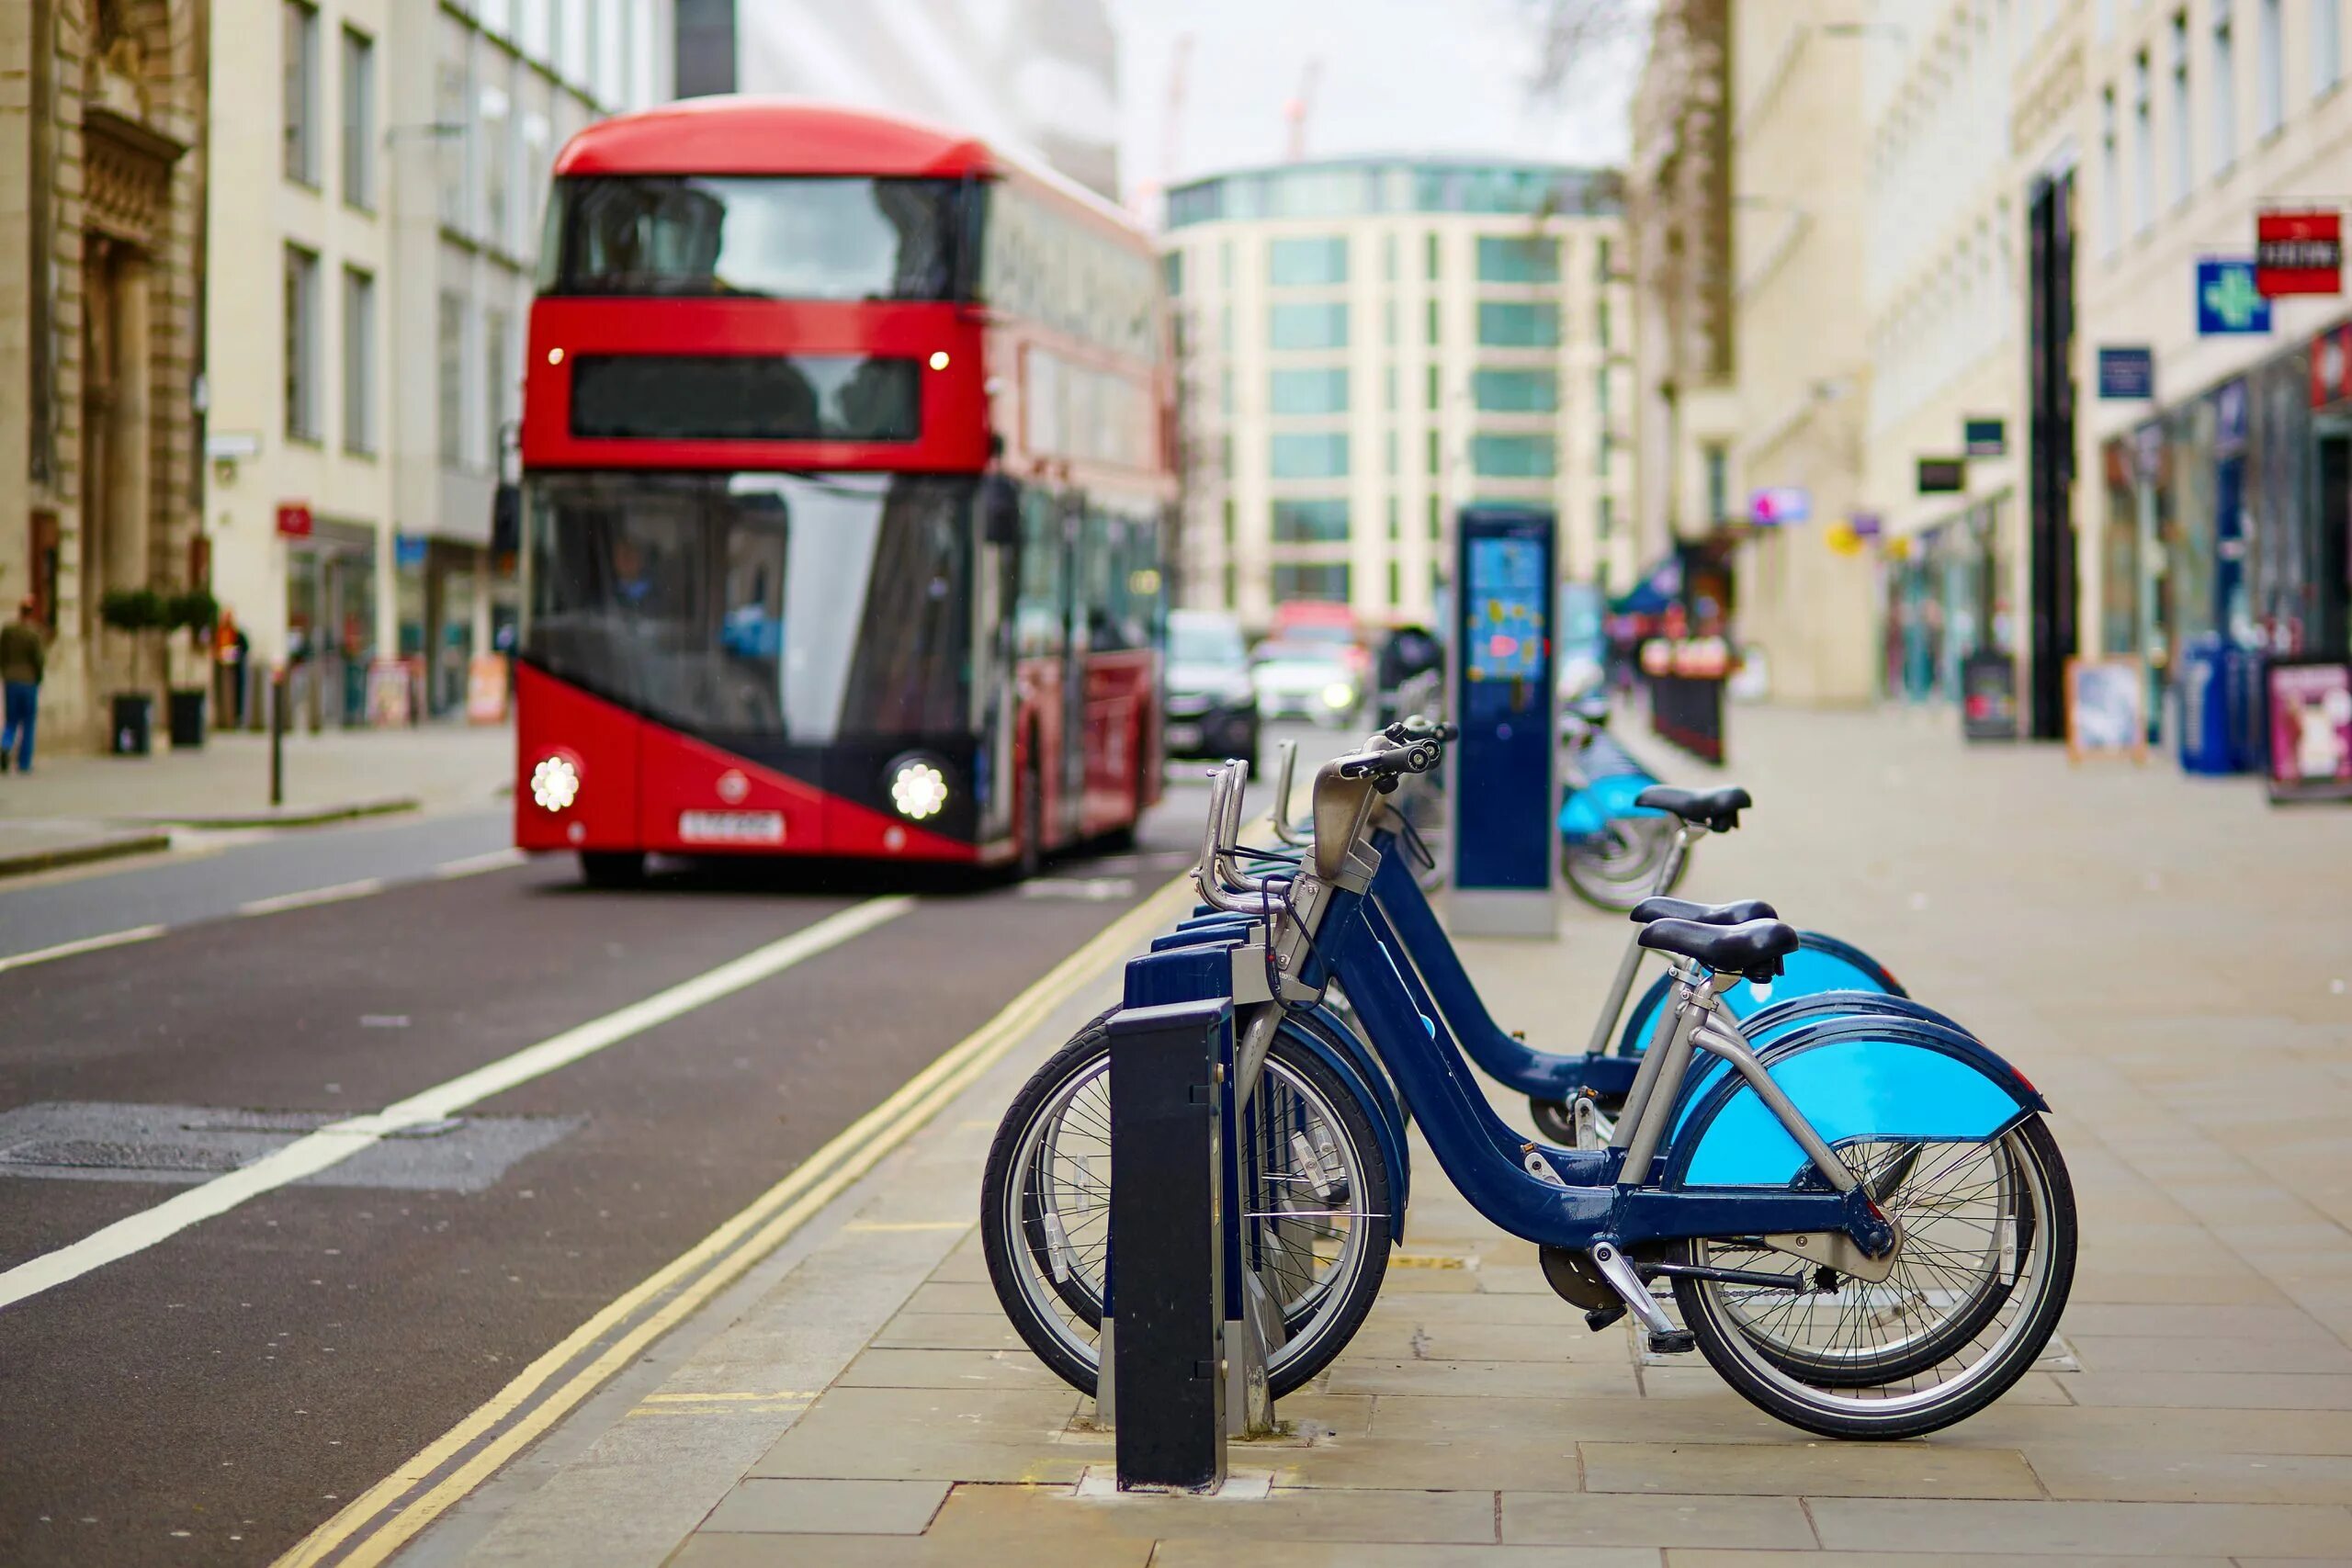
pixel 612 868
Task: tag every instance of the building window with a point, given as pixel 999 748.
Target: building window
pixel 1392 452
pixel 1388 257
pixel 1513 457
pixel 1230 525
pixel 2144 144
pixel 1430 248
pixel 1437 453
pixel 1505 258
pixel 1225 392
pixel 1430 336
pixel 1172 268
pixel 450 345
pixel 1437 520
pixel 301 66
pixel 1600 269
pixel 1604 525
pixel 1436 390
pixel 1515 391
pixel 500 394
pixel 496 106
pixel 1307 326
pixel 2111 170
pixel 1310 522
pixel 2269 86
pixel 2183 156
pixel 1512 325
pixel 1717 460
pixel 1307 264
pixel 453 105
pixel 1395 521
pixel 2327 46
pixel 1323 580
pixel 301 344
pixel 1388 389
pixel 1224 265
pixel 358 119
pixel 1310 391
pixel 359 361
pixel 1601 322
pixel 1304 455
pixel 2225 88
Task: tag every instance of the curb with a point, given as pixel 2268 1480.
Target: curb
pixel 83 853
pixel 289 817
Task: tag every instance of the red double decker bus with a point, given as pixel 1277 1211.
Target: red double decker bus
pixel 847 456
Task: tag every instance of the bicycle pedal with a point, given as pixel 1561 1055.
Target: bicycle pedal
pixel 1675 1342
pixel 1599 1318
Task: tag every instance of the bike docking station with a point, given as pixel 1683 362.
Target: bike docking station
pixel 1502 784
pixel 1187 1328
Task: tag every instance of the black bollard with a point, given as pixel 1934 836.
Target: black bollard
pixel 1164 1323
pixel 277 737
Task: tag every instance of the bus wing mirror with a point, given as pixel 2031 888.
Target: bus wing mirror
pixel 1000 511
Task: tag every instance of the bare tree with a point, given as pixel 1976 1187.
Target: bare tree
pixel 1572 33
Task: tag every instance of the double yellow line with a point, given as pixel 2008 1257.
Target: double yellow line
pixel 389 1515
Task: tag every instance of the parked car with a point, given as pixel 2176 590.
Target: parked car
pixel 1314 681
pixel 1212 702
pixel 1333 626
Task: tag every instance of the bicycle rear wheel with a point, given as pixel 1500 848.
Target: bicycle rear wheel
pixel 1987 1261
pixel 1315 1203
pixel 1617 867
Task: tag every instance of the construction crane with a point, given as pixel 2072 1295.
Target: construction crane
pixel 1171 126
pixel 1300 106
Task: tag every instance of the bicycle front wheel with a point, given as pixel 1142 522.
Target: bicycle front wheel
pixel 1315 1208
pixel 1986 1262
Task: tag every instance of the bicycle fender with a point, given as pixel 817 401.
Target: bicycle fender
pixel 1588 810
pixel 1854 1078
pixel 1773 1023
pixel 1822 964
pixel 1365 1079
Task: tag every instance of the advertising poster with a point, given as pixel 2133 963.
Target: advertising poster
pixel 2311 729
pixel 2104 711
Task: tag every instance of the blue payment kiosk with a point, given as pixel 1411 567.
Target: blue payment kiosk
pixel 1503 773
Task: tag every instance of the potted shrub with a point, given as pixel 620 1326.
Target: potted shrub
pixel 196 612
pixel 138 612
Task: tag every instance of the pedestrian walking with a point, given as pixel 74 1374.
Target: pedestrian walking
pixel 24 659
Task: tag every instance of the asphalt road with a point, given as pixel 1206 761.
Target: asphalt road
pixel 212 1397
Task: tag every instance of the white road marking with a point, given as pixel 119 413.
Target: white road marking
pixel 474 865
pixel 309 897
pixel 1091 889
pixel 87 944
pixel 337 1142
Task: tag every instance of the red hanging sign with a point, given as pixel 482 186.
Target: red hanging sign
pixel 294 519
pixel 2298 253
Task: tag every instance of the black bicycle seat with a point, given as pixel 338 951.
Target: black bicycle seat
pixel 1717 810
pixel 1738 914
pixel 1753 949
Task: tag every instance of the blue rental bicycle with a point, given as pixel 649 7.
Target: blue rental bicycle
pixel 1863 1220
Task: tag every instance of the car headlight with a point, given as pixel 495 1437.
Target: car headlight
pixel 1241 689
pixel 1338 695
pixel 919 788
pixel 555 783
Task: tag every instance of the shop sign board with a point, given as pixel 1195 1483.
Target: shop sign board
pixel 2228 302
pixel 1942 475
pixel 1777 504
pixel 2126 374
pixel 2311 729
pixel 1867 525
pixel 1988 696
pixel 1984 437
pixel 2106 708
pixel 294 519
pixel 408 552
pixel 2299 252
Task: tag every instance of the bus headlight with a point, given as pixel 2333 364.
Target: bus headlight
pixel 555 783
pixel 1339 695
pixel 919 788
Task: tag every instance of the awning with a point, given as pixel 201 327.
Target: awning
pixel 1659 587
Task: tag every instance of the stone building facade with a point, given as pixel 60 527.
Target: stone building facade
pixel 101 196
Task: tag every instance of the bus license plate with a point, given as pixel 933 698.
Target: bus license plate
pixel 731 827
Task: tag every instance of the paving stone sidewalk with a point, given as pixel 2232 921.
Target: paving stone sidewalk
pixel 2168 959
pixel 77 808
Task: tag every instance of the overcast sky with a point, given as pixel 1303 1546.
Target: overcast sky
pixel 1397 76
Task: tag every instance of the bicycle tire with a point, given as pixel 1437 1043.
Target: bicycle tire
pixel 1586 867
pixel 1011 1246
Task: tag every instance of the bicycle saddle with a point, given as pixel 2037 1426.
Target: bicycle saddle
pixel 1737 914
pixel 1717 810
pixel 1754 948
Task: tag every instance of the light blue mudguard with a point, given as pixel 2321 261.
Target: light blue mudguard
pixel 1822 964
pixel 1855 1080
pixel 1589 810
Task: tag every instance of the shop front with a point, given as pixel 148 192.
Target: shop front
pixel 330 623
pixel 1949 597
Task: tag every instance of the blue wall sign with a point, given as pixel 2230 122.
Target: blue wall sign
pixel 2127 375
pixel 408 552
pixel 2227 302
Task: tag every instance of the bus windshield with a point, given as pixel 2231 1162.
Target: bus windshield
pixel 768 237
pixel 796 609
